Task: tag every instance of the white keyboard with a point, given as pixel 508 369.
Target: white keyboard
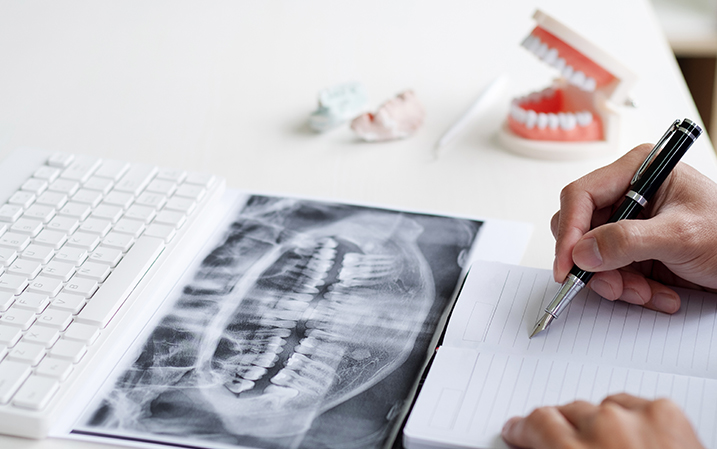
pixel 78 235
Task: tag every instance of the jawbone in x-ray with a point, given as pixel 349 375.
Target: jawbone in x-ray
pixel 306 326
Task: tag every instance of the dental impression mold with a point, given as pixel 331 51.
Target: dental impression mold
pixel 576 117
pixel 337 105
pixel 397 118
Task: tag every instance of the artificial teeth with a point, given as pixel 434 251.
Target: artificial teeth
pixel 584 118
pixel 578 79
pixel 590 84
pixel 553 121
pixel 567 121
pixel 551 56
pixel 542 120
pixel 568 72
pixel 560 64
pixel 531 118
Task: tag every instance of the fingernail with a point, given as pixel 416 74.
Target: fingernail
pixel 665 302
pixel 587 254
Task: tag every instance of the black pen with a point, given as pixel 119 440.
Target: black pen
pixel 647 180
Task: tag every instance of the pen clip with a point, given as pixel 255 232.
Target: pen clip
pixel 660 143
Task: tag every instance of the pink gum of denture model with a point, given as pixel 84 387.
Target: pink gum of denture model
pixel 397 118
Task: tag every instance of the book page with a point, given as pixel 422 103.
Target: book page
pixel 489 370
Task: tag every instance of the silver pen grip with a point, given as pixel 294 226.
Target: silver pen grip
pixel 567 292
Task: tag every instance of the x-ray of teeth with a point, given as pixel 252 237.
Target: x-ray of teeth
pixel 305 327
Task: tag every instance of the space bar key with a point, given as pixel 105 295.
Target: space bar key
pixel 119 285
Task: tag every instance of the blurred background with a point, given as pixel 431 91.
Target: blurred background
pixel 691 29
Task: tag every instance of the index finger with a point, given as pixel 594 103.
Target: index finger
pixel 580 199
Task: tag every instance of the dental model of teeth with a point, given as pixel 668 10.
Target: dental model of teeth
pixel 576 117
pixel 396 119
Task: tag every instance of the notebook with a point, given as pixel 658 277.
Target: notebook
pixel 488 370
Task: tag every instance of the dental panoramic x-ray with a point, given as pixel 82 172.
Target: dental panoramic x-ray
pixel 307 326
pixel 578 115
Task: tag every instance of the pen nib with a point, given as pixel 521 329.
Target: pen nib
pixel 542 324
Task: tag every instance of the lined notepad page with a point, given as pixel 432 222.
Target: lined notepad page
pixel 489 370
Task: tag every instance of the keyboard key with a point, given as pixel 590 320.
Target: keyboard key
pixel 52 239
pixel 32 301
pixel 66 301
pixel 171 174
pixel 55 318
pixel 24 268
pixel 12 375
pixel 96 226
pixel 52 199
pixel 164 232
pixel 108 212
pixel 25 352
pixel 131 227
pixel 7 256
pixel 83 240
pixel 68 350
pixel 103 306
pixel 192 191
pixel 10 212
pixel 66 186
pixel 20 318
pixel 40 212
pixel 27 226
pixel 202 179
pixel 36 392
pixel 54 368
pixel 105 255
pixel 36 186
pixel 39 253
pixel 81 169
pixel 14 240
pixel 136 179
pixel 9 335
pixel 142 213
pixel 74 256
pixel 81 286
pixel 112 169
pixel 163 187
pixel 103 185
pixel 60 160
pixel 41 335
pixel 120 199
pixel 179 204
pixel 172 218
pixel 67 225
pixel 92 270
pixel 122 242
pixel 87 196
pixel 76 210
pixel 153 200
pixel 47 173
pixel 6 300
pixel 45 285
pixel 59 270
pixel 22 199
pixel 82 332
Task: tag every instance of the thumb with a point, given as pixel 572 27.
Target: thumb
pixel 616 245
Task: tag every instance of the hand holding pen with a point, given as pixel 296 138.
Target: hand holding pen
pixel 634 260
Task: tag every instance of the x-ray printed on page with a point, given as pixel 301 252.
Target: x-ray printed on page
pixel 306 326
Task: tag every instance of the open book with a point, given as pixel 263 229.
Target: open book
pixel 488 370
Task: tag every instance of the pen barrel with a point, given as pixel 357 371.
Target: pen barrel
pixel 667 159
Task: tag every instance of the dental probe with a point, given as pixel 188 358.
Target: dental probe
pixel 647 180
pixel 483 98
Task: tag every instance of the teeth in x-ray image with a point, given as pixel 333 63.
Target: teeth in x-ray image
pixel 303 306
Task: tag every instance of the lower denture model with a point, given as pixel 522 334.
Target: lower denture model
pixel 576 117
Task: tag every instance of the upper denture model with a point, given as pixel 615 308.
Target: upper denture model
pixel 576 117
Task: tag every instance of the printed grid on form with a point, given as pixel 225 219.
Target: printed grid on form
pixel 596 348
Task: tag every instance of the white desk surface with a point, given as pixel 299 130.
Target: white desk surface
pixel 226 87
